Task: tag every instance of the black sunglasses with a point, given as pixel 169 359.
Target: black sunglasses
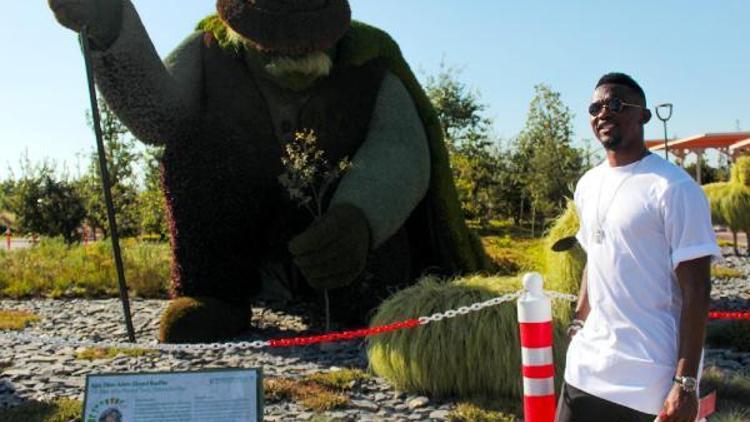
pixel 615 105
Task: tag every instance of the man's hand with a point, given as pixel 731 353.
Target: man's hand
pixel 101 17
pixel 680 406
pixel 332 252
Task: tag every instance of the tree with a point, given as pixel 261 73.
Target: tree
pixel 151 200
pixel 467 134
pixel 708 174
pixel 121 157
pixel 46 205
pixel 459 111
pixel 545 162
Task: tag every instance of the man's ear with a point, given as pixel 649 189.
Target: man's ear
pixel 646 116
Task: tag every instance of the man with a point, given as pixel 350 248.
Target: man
pixel 640 322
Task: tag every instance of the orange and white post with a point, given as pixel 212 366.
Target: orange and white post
pixel 535 321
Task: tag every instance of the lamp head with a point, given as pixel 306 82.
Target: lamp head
pixel 664 111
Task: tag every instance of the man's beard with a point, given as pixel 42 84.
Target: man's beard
pixel 612 144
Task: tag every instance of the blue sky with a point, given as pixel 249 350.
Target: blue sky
pixel 694 54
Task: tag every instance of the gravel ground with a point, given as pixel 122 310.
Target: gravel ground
pixel 37 372
pixel 46 372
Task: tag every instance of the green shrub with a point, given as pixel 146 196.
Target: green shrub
pixel 53 269
pixel 475 355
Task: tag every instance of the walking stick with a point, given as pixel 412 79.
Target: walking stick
pixel 105 184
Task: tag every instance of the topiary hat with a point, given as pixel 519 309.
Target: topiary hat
pixel 287 26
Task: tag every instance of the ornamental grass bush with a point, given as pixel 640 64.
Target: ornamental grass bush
pixel 564 268
pixel 54 269
pixel 714 192
pixel 735 207
pixel 740 173
pixel 730 202
pixel 475 355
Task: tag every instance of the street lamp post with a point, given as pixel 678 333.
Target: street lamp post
pixel 664 113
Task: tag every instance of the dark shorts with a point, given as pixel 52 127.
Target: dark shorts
pixel 575 405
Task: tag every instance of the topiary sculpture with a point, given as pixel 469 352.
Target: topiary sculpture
pixel 226 102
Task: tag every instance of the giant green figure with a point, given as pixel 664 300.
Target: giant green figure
pixel 223 105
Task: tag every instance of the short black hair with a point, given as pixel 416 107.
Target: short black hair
pixel 618 78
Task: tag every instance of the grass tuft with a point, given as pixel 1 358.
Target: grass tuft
pixel 721 272
pixel 60 410
pixel 724 243
pixel 308 394
pixel 341 380
pixel 16 320
pixel 92 353
pixel 470 412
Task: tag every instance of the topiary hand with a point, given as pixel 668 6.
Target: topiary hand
pixel 333 251
pixel 102 17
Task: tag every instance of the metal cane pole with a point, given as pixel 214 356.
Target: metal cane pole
pixel 107 189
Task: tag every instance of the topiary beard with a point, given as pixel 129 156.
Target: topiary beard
pixel 296 73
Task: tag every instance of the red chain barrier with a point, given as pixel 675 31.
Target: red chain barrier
pixel 343 335
pixel 728 315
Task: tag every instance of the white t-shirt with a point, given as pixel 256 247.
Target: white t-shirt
pixel 653 216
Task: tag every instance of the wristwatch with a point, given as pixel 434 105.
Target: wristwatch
pixel 688 384
pixel 574 326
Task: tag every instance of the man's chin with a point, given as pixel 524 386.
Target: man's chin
pixel 610 143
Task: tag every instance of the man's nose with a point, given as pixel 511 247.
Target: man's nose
pixel 604 111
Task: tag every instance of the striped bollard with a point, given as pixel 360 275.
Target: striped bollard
pixel 535 321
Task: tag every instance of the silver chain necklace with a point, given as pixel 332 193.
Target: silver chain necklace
pixel 599 231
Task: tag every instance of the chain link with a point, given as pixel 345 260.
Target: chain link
pixel 59 341
pixel 257 344
pixel 561 296
pixel 474 307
